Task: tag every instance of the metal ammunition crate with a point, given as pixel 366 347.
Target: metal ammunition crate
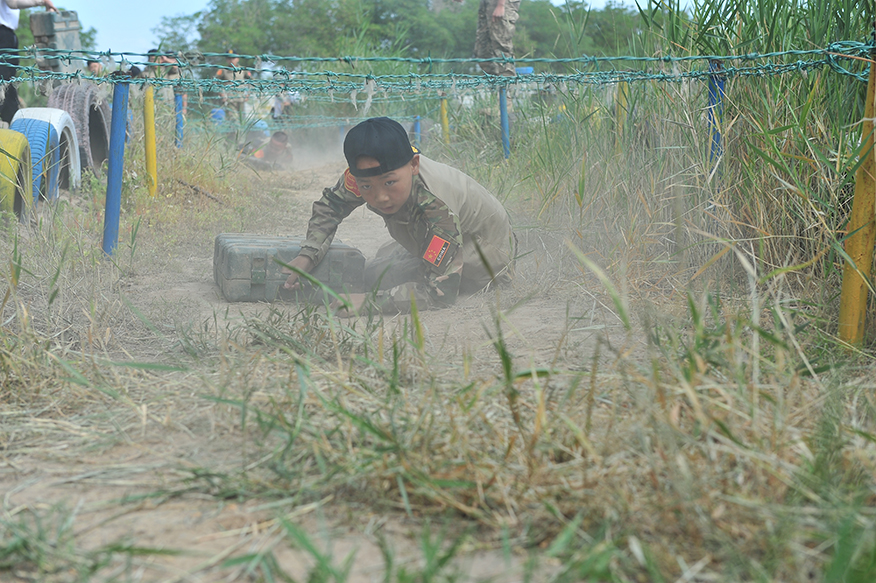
pixel 247 268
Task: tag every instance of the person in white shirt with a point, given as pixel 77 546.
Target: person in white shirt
pixel 9 12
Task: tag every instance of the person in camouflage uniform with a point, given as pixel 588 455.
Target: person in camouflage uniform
pixel 450 235
pixel 273 154
pixel 164 66
pixel 493 39
pixel 238 102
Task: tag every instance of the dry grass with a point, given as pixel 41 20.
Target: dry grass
pixel 712 440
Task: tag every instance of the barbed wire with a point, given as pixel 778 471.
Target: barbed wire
pixel 271 74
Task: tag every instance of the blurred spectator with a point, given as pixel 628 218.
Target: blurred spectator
pixel 497 20
pixel 94 67
pixel 164 66
pixel 284 103
pixel 275 153
pixel 237 76
pixel 8 40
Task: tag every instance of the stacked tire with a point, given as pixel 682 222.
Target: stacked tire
pixel 61 124
pixel 44 156
pixel 45 148
pixel 91 117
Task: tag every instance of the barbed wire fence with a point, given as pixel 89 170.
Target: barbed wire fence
pixel 377 79
pixel 193 73
pixel 275 73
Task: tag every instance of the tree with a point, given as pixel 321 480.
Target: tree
pixel 178 33
pixel 412 28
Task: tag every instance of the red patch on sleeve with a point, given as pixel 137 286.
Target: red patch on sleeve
pixel 350 183
pixel 436 251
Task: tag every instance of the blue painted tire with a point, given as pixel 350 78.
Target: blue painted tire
pixel 71 170
pixel 45 155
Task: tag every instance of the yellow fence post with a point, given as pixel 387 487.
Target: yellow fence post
pixel 862 226
pixel 622 103
pixel 149 122
pixel 445 122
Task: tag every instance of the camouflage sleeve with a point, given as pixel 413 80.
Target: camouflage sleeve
pixel 335 205
pixel 441 252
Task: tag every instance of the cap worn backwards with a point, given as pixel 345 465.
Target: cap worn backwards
pixel 380 138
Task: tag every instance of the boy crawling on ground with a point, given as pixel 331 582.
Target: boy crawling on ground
pixel 450 234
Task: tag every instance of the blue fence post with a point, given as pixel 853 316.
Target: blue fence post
pixel 716 112
pixel 115 168
pixel 417 130
pixel 178 100
pixel 503 118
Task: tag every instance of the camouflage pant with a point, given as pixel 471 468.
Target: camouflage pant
pixel 493 39
pixel 394 266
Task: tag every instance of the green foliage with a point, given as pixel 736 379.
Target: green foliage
pixel 43 544
pixel 417 28
pixel 726 27
pixel 177 32
pixel 855 558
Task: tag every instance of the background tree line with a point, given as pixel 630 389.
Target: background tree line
pixel 414 28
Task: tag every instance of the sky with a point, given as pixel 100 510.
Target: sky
pixel 126 26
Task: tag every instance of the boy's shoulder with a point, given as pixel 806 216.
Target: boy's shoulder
pixel 443 178
pixel 456 189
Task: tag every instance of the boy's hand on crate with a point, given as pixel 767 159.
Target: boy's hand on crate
pixel 300 262
pixel 352 307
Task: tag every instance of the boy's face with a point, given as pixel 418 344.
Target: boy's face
pixel 233 61
pixel 387 192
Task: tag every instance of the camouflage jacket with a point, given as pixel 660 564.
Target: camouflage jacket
pixel 450 221
pixel 236 77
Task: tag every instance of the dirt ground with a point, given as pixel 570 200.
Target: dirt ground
pixel 122 472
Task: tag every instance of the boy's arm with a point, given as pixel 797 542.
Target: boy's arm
pixel 335 205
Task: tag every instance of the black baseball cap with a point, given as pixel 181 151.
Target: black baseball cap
pixel 380 138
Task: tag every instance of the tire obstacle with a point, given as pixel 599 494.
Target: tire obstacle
pixel 91 117
pixel 16 183
pixel 44 156
pixel 70 173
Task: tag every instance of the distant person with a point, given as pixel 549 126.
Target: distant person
pixel 163 66
pixel 284 104
pixel 237 76
pixel 94 67
pixel 497 20
pixel 275 153
pixel 151 59
pixel 8 40
pixel 451 235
